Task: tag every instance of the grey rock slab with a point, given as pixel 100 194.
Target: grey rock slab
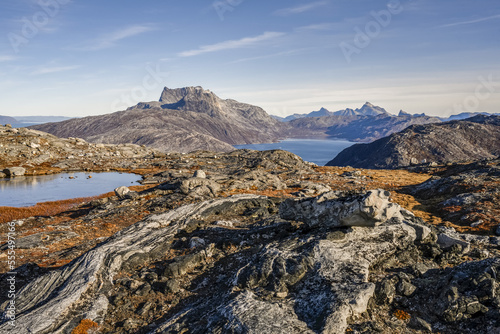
pixel 449 238
pixel 248 314
pixel 335 287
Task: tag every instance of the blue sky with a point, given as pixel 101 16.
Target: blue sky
pixel 77 58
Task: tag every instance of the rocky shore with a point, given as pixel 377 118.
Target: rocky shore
pixel 255 242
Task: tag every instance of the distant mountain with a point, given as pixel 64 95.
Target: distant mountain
pixel 465 115
pixel 474 138
pixel 183 120
pixel 7 120
pixel 41 119
pixel 367 109
pixel 362 125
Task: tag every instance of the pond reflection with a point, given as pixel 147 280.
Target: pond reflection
pixel 29 190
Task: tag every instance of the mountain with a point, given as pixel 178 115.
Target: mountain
pixel 41 119
pixel 183 120
pixel 355 127
pixel 465 115
pixel 464 140
pixel 367 109
pixel 7 120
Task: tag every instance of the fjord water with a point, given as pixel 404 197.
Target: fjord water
pixel 29 190
pixel 319 151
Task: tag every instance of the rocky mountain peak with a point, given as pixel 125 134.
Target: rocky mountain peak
pixel 190 98
pixel 403 113
pixel 369 109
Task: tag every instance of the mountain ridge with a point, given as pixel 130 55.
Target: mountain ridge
pixel 462 140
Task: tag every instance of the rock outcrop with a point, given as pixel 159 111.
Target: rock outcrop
pixel 278 283
pixel 35 152
pixel 184 120
pixel 471 139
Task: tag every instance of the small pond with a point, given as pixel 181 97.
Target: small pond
pixel 29 190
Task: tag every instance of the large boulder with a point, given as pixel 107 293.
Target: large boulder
pixel 370 209
pixel 14 171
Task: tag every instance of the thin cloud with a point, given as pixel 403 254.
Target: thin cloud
pixel 315 27
pixel 300 9
pixel 6 58
pixel 279 54
pixel 232 44
pixel 56 69
pixel 470 22
pixel 110 40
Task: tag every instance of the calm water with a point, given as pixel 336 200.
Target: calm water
pixel 319 151
pixel 29 190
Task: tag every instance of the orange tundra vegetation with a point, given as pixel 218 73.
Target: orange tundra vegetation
pixel 47 209
pixel 86 326
pixel 8 213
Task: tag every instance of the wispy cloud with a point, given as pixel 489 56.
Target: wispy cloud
pixel 232 44
pixel 55 69
pixel 110 40
pixel 471 21
pixel 279 54
pixel 300 9
pixel 6 58
pixel 315 27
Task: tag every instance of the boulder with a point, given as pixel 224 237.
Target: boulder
pixel 121 192
pixel 371 209
pixel 199 187
pixel 200 174
pixel 14 171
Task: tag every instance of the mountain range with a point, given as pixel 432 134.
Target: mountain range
pixel 367 109
pixel 192 118
pixel 365 124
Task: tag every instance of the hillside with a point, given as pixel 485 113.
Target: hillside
pixel 474 138
pixel 183 120
pixel 7 120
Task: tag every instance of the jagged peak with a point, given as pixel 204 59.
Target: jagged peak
pixel 368 109
pixel 174 95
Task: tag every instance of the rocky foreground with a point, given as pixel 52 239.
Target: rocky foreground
pixel 259 242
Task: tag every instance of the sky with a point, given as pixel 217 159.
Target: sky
pixel 78 58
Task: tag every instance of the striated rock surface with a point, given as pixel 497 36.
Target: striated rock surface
pixel 184 120
pixel 277 283
pixel 471 139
